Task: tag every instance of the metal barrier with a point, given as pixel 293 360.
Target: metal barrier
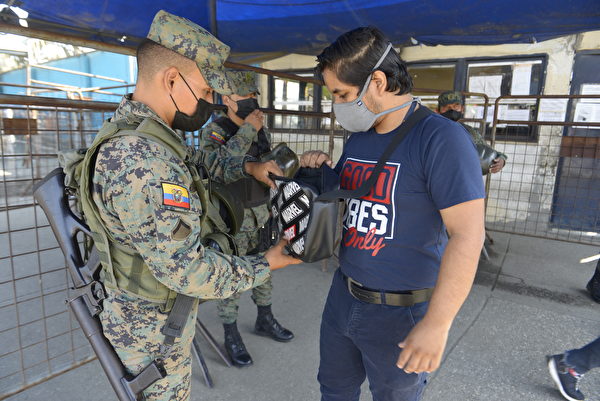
pixel 550 186
pixel 39 337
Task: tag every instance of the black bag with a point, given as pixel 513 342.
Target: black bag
pixel 487 155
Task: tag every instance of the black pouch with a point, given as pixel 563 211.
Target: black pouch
pixel 268 236
pixel 312 227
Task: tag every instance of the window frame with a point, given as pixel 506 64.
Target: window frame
pixel 461 81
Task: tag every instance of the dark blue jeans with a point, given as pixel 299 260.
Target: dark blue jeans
pixel 360 340
pixel 584 358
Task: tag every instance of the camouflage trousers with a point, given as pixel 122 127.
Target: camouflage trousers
pixel 261 295
pixel 133 328
pixel 228 308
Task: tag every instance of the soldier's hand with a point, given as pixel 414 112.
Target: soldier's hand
pixel 261 171
pixel 256 119
pixel 277 258
pixel 314 159
pixel 497 165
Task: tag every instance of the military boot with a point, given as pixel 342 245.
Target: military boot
pixel 266 325
pixel 594 285
pixel 235 346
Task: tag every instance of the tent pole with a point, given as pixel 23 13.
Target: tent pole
pixel 129 48
pixel 212 5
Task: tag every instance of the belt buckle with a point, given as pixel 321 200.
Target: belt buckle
pixel 368 296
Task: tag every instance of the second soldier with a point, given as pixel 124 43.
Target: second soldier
pixel 241 132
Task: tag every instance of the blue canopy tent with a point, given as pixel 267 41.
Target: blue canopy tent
pixel 307 26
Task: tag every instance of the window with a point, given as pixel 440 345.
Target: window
pixel 504 78
pixel 289 94
pixel 432 76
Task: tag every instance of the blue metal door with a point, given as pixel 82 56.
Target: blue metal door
pixel 576 203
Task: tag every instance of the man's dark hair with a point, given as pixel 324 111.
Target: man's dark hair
pixel 152 57
pixel 354 54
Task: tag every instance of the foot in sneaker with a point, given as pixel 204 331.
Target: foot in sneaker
pixel 565 377
pixel 593 286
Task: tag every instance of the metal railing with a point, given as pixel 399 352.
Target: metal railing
pixel 40 339
pixel 550 186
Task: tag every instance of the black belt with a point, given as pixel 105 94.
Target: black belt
pixel 404 298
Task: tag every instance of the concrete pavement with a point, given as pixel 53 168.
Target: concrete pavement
pixel 528 300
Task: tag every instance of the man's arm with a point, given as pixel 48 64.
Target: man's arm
pixel 214 139
pixel 423 348
pixel 478 139
pixel 223 165
pixel 169 237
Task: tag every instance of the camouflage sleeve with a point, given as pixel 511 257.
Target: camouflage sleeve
pixel 222 164
pixel 479 140
pixel 214 139
pixel 224 169
pixel 166 231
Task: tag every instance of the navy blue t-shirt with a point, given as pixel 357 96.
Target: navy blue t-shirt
pixel 394 236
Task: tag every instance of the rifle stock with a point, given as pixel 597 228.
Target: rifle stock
pixel 50 195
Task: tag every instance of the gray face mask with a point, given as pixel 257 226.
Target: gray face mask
pixel 354 116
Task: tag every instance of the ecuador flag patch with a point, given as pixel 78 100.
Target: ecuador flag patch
pixel 215 136
pixel 175 195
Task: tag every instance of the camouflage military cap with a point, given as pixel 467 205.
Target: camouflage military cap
pixel 242 82
pixel 196 43
pixel 450 97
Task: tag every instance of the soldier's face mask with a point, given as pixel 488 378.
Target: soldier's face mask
pixel 354 116
pixel 246 106
pixel 194 122
pixel 453 115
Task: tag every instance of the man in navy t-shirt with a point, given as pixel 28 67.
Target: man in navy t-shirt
pixel 401 281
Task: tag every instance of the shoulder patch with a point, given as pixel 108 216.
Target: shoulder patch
pixel 217 137
pixel 181 231
pixel 175 195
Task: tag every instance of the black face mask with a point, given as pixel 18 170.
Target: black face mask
pixel 453 115
pixel 194 122
pixel 245 107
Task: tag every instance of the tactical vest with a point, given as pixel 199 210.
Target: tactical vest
pixel 124 268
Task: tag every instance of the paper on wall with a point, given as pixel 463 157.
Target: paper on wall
pixel 591 89
pixel 521 79
pixel 488 84
pixel 553 110
pixel 517 114
pixel 587 113
pixel 502 109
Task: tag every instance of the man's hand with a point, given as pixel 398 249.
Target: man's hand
pixel 497 165
pixel 423 348
pixel 277 259
pixel 255 119
pixel 261 171
pixel 314 159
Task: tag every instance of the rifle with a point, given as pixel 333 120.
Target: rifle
pixel 89 292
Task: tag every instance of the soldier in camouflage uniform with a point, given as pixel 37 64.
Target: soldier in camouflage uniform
pixel 452 105
pixel 146 201
pixel 241 131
